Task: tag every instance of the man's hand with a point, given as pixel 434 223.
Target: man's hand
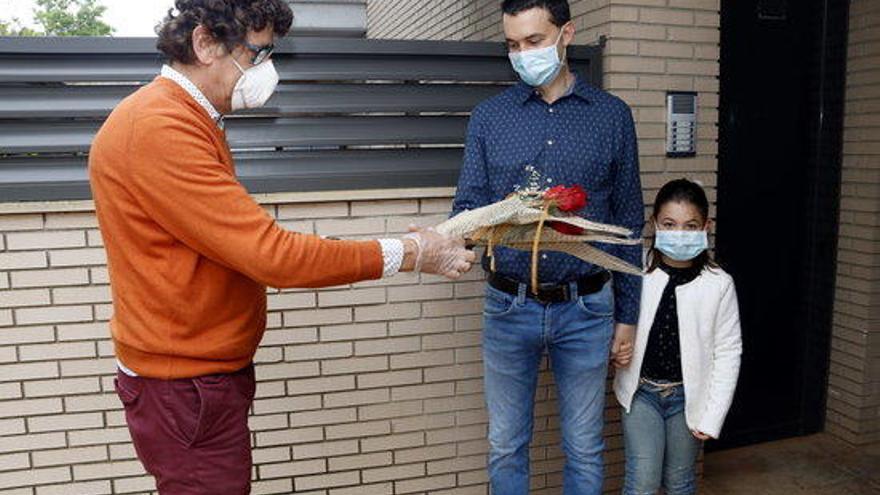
pixel 436 254
pixel 700 435
pixel 623 346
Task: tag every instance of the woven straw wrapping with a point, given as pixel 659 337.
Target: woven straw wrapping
pixel 514 222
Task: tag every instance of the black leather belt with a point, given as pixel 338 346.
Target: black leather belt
pixel 552 293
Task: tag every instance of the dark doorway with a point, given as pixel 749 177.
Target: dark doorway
pixel 782 81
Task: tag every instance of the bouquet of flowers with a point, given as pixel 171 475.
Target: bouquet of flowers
pixel 520 220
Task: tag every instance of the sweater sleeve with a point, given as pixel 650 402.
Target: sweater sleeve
pixel 176 175
pixel 725 364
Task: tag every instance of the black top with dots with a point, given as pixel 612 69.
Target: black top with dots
pixel 663 355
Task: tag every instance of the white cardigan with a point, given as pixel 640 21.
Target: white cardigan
pixel 709 332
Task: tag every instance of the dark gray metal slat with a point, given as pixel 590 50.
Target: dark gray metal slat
pixel 79 101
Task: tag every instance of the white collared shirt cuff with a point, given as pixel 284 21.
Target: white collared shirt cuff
pixel 392 256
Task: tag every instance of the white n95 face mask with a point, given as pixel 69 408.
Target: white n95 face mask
pixel 255 86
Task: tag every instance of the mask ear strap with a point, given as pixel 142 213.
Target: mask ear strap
pixel 237 65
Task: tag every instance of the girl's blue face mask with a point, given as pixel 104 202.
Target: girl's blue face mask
pixel 540 66
pixel 681 245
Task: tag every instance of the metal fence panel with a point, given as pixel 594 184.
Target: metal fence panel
pixel 349 113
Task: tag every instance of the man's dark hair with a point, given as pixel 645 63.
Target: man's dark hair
pixel 228 21
pixel 560 13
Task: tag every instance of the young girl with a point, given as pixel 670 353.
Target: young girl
pixel 678 387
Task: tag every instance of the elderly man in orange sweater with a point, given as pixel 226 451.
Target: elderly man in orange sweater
pixel 191 253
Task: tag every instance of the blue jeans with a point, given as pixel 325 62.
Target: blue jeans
pixel 577 336
pixel 660 448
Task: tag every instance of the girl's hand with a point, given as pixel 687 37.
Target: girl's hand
pixel 700 435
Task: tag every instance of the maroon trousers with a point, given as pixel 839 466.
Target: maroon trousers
pixel 192 434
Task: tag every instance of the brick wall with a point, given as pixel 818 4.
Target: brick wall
pixel 369 389
pixel 854 382
pixel 653 46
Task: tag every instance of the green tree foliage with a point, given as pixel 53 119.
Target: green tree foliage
pixel 62 18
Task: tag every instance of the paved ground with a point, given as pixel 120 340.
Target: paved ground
pixel 814 465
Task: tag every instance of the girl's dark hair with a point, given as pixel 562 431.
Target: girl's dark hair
pixel 560 13
pixel 681 191
pixel 228 21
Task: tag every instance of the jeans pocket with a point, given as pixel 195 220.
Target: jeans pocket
pixel 497 303
pixel 598 304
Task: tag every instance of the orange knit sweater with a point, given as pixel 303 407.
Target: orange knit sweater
pixel 190 253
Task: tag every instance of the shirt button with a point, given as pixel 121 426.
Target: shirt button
pixel 549 142
pixel 551 110
pixel 543 256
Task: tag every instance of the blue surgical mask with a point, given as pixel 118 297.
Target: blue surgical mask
pixel 538 67
pixel 681 245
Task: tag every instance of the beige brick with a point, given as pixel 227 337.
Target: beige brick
pixel 390 379
pixel 100 487
pixel 422 391
pixel 393 473
pixel 31 442
pixel 54 314
pixel 65 422
pixel 23 260
pixel 287 404
pixel 323 417
pixel 325 449
pixel 106 470
pixel 10 427
pixel 354 332
pixel 272 486
pixel 11 223
pixel 45 352
pixel 420 292
pixel 351 297
pixel 424 423
pixel 94 238
pixel 424 484
pixel 24 298
pixel 6 318
pixel 310 211
pixel 136 484
pixel 422 359
pixel 422 454
pixel 294 300
pixel 10 390
pixel 45 240
pixel 318 351
pixel 57 221
pixel 99 275
pixel 84 331
pixel 360 461
pixel 85 367
pixel 390 410
pixel 294 468
pixel 286 370
pixel 11 462
pixel 311 317
pixel 358 430
pixel 69 456
pixel 372 489
pixel 69 386
pixel 327 480
pixel 354 365
pixel 452 308
pixel 50 278
pixel 387 346
pixel 82 295
pixel 400 311
pixel 392 442
pixel 28 371
pixel 385 207
pixel 356 398
pixel 439 205
pixel 104 402
pixel 350 227
pixel 34 477
pixel 320 385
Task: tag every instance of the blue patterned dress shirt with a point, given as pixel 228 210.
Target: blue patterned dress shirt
pixel 586 137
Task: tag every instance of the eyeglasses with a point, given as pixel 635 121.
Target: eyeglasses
pixel 261 53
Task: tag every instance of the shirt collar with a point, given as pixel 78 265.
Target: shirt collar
pixel 188 86
pixel 580 88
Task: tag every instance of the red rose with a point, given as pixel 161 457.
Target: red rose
pixel 566 228
pixel 567 198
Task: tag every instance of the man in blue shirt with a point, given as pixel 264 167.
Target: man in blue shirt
pixel 553 128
